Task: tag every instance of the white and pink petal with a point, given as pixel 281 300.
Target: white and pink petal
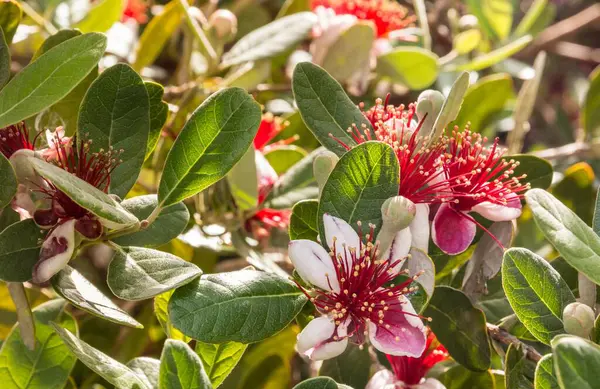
pixel 313 263
pixel 56 252
pixel 452 231
pixel 317 342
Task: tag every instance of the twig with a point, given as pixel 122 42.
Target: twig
pixel 577 52
pixel 37 18
pixel 504 337
pixel 579 149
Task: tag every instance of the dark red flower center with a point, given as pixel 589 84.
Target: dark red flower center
pixel 14 138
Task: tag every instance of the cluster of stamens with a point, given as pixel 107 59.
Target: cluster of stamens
pixel 14 138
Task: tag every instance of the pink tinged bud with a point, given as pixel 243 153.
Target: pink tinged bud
pixel 313 264
pixel 57 250
pixel 578 319
pixel 224 23
pixel 323 165
pixel 318 340
pixel 452 231
pixel 419 228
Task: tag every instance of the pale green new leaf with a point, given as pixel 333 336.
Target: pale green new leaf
pixel 414 67
pixel 102 16
pixel 219 359
pixel 181 368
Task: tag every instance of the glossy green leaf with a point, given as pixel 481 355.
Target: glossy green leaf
pixel 4 60
pixel 270 40
pixel 137 273
pixel 467 41
pixel 243 181
pixel 414 67
pixel 19 250
pixel 576 362
pixel 590 116
pixel 539 171
pixel 460 327
pixel 350 53
pixel 519 372
pixel 171 222
pixel 147 369
pixel 352 367
pixel 545 378
pixel 181 368
pixel 243 306
pixel 50 78
pixel 156 34
pixel 161 310
pixel 493 57
pixel 84 194
pixel 47 366
pixel 485 98
pixel 317 383
pixel 577 243
pixel 159 111
pixel 362 180
pixel 10 17
pixel 219 359
pixel 459 377
pixel 282 158
pixel 112 371
pixel 71 285
pixel 536 292
pixel 494 16
pixel 304 222
pixel 213 140
pixel 115 115
pixel 101 16
pixel 8 182
pixel 325 107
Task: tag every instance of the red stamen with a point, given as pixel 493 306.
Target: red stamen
pixel 14 138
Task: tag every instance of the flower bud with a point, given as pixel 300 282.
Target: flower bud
pixel 429 103
pixel 578 319
pixel 398 212
pixel 323 166
pixel 224 23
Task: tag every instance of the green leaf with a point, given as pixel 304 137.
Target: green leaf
pixel 161 307
pixel 537 12
pixel 243 306
pixel 352 367
pixel 8 181
pixel 137 273
pixel 536 292
pixel 494 16
pixel 181 368
pixel 270 40
pixel 147 369
pixel 451 106
pixel 102 16
pixel 156 34
pixel 590 112
pixel 219 359
pixel 577 243
pixel 10 17
pixel 19 250
pixel 460 327
pixel 4 60
pixel 282 158
pixel 362 180
pixel 544 374
pixel 414 67
pixel 243 181
pixel 159 111
pixel 493 57
pixel 171 222
pixel 55 40
pixel 576 362
pixel 75 288
pixel 467 41
pixel 293 6
pixel 212 141
pixel 112 371
pixel 519 369
pixel 539 171
pixel 49 364
pixel 84 194
pixel 485 98
pixel 325 107
pixel 458 377
pixel 318 383
pixel 304 221
pixel 350 53
pixel 115 115
pixel 50 78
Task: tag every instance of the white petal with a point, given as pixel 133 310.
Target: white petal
pixel 497 213
pixel 419 228
pixel 399 248
pixel 313 263
pixel 381 379
pixel 329 350
pixel 344 234
pixel 49 264
pixel 430 383
pixel 314 342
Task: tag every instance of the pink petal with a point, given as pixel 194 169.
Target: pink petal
pixel 57 250
pixel 419 228
pixel 405 335
pixel 316 340
pixel 313 263
pixel 452 230
pixel 499 213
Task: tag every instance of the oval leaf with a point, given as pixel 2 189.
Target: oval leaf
pixel 19 250
pixel 8 181
pixel 544 374
pixel 10 17
pixel 539 171
pixel 519 370
pixel 576 362
pixel 350 53
pixel 181 368
pixel 147 369
pixel 244 306
pixel 50 78
pixel 414 67
pixel 304 221
pixel 214 139
pixel 137 273
pixel 219 359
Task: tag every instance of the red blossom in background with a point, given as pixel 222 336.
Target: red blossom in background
pixel 135 10
pixel 14 138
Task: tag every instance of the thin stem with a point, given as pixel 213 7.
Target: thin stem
pixel 199 32
pixel 587 291
pixel 24 315
pixel 37 18
pixel 502 336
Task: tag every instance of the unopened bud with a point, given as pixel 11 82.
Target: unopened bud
pixel 578 319
pixel 397 213
pixel 224 24
pixel 323 166
pixel 429 103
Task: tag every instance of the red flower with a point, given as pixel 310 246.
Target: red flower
pixel 387 15
pixel 270 127
pixel 14 138
pixel 136 10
